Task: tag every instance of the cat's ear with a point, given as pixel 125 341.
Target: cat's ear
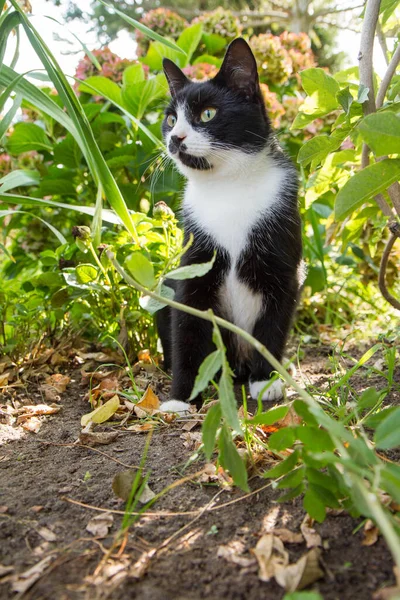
pixel 175 77
pixel 239 68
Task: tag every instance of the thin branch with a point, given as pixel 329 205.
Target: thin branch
pixel 327 11
pixel 382 41
pixel 395 231
pixel 365 55
pixel 387 78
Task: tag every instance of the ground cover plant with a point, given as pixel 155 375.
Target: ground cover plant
pixel 90 234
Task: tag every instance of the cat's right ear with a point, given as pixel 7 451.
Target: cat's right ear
pixel 175 77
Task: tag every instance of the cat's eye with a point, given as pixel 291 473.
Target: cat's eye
pixel 208 114
pixel 171 120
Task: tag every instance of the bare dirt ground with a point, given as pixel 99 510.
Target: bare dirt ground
pixel 173 551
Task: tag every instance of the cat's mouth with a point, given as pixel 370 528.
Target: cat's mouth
pixel 194 162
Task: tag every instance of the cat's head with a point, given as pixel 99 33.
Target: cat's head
pixel 211 126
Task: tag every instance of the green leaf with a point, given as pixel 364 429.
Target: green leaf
pixel 137 97
pixel 208 369
pixel 214 43
pixel 133 74
pixel 271 416
pixel 227 398
pixel 293 493
pixel 9 116
pixel 157 52
pixel 231 460
pixel 387 434
pixel 141 268
pixel 321 89
pixel 362 94
pixel 283 467
pixel 303 596
pixel 26 137
pixel 293 479
pixel 207 58
pixel 53 229
pixel 381 131
pixel 137 25
pixel 317 148
pixel 104 87
pixel 68 153
pixel 387 8
pixel 152 305
pixel 19 178
pixel 190 39
pixel 85 273
pixel 365 184
pixel 209 429
pixel 314 506
pixel 314 439
pixel 190 271
pixel 369 398
pixel 390 480
pixel 282 439
pixel 345 99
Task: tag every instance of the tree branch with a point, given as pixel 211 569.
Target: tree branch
pixel 395 231
pixel 387 78
pixel 382 42
pixel 366 53
pixel 325 12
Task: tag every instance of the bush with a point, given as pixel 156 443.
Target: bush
pixel 163 21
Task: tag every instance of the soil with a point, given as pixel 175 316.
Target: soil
pixel 41 474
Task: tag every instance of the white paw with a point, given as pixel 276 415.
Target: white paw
pixel 175 406
pixel 274 391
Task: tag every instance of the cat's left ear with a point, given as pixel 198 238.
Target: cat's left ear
pixel 239 69
pixel 175 77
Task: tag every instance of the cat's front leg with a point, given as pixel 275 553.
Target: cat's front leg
pixel 271 329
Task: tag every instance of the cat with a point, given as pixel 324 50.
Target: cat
pixel 240 202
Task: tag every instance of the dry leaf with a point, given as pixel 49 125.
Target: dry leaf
pixel 290 420
pixel 141 565
pixel 146 495
pixel 38 410
pixel 100 357
pixel 233 551
pixel 312 538
pixel 24 581
pixel 47 534
pixel 122 483
pixel 371 533
pixel 144 356
pixel 4 377
pixel 5 570
pixel 300 574
pixel 5 363
pixel 141 427
pixel 103 413
pixel 50 393
pixel 209 474
pixel 57 359
pixel 140 413
pixel 3 509
pixel 191 425
pixel 388 593
pixel 90 438
pixel 100 525
pixel 58 381
pixel 37 508
pixel 287 536
pixel 33 424
pixel 271 556
pixel 149 402
pixel 192 439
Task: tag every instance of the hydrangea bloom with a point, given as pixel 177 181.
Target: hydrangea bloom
pixel 201 71
pixel 221 22
pixel 273 60
pixel 160 20
pixel 112 66
pixel 274 108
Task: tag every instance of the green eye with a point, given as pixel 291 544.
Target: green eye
pixel 171 120
pixel 208 114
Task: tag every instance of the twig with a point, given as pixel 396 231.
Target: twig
pixel 90 448
pixel 382 42
pixel 395 234
pixel 365 56
pixel 387 78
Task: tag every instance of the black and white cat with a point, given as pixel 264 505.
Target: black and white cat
pixel 240 200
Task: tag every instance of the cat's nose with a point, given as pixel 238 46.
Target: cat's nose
pixel 175 143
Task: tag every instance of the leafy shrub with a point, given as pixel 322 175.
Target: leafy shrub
pixel 163 21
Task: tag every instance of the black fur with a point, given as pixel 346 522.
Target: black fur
pixel 269 264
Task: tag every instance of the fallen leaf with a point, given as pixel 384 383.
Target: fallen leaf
pixel 209 474
pixel 291 419
pixel 90 438
pixel 37 508
pixel 33 424
pixel 371 533
pixel 122 483
pixel 57 359
pixel 47 534
pixel 3 509
pixel 5 570
pixel 233 551
pixel 58 381
pixel 312 538
pixel 149 402
pixel 271 556
pixel 102 413
pixel 50 393
pixel 144 356
pixel 5 363
pixel 141 427
pixel 288 537
pixel 100 357
pixel 191 425
pixel 300 574
pixel 100 525
pixel 25 580
pixel 4 377
pixel 388 593
pixel 141 565
pixel 192 439
pixel 38 410
pixel 146 495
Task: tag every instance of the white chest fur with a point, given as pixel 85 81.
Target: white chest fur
pixel 227 207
